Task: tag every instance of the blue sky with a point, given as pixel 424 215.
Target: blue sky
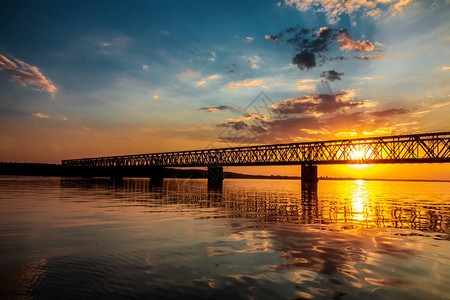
pixel 81 79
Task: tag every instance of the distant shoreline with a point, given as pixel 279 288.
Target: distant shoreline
pixel 38 169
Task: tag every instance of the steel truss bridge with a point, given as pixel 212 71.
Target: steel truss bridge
pixel 413 148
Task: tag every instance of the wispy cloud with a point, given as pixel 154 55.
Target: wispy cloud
pixel 370 57
pixel 202 82
pixel 213 56
pixel 43 116
pixel 250 83
pixel 191 74
pixel 254 60
pixel 144 67
pixel 215 108
pixel 26 74
pixel 249 39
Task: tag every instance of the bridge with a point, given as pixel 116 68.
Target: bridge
pixel 414 148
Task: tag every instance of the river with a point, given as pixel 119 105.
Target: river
pixel 69 238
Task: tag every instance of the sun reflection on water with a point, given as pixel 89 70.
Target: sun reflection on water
pixel 359 200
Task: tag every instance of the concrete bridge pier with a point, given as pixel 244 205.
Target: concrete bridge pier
pixel 157 177
pixel 116 173
pixel 309 177
pixel 215 177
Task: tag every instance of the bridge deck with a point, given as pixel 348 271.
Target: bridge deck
pixel 414 148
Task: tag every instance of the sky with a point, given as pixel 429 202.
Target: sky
pixel 83 79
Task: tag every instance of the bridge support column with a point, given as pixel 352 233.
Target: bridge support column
pixel 157 177
pixel 116 173
pixel 309 177
pixel 215 177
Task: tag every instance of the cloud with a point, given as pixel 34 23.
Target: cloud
pixel 312 43
pixel 347 43
pixel 42 116
pixel 297 128
pixel 250 83
pixel 213 57
pixel 253 61
pixel 235 124
pixel 397 8
pixel 438 105
pixel 191 74
pixel 255 116
pixel 155 96
pixel 316 103
pixel 271 38
pixel 314 116
pixel 144 67
pixel 445 68
pixel 26 74
pixel 202 82
pixel 249 39
pixel 334 9
pixel 390 112
pixel 331 75
pixel 216 108
pixel 304 60
pixel 369 57
pixel 306 85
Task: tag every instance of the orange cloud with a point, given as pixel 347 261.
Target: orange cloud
pixel 42 116
pixel 248 83
pixel 26 74
pixel 348 44
pixel 191 74
pixel 202 82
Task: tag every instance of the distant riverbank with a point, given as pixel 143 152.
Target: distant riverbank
pixel 41 169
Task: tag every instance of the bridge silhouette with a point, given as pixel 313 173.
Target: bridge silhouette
pixel 413 148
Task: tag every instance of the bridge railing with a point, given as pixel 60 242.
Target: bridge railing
pixel 415 148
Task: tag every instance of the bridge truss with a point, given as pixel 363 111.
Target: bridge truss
pixel 414 148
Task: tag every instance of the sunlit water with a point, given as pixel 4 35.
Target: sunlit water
pixel 257 239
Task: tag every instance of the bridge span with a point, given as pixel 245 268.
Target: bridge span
pixel 413 148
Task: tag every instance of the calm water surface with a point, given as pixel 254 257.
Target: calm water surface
pixel 258 239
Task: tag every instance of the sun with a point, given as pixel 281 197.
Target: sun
pixel 359 154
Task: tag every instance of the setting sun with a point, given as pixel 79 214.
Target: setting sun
pixel 358 154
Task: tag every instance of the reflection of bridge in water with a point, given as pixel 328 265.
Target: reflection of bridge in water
pixel 300 207
pixel 415 148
